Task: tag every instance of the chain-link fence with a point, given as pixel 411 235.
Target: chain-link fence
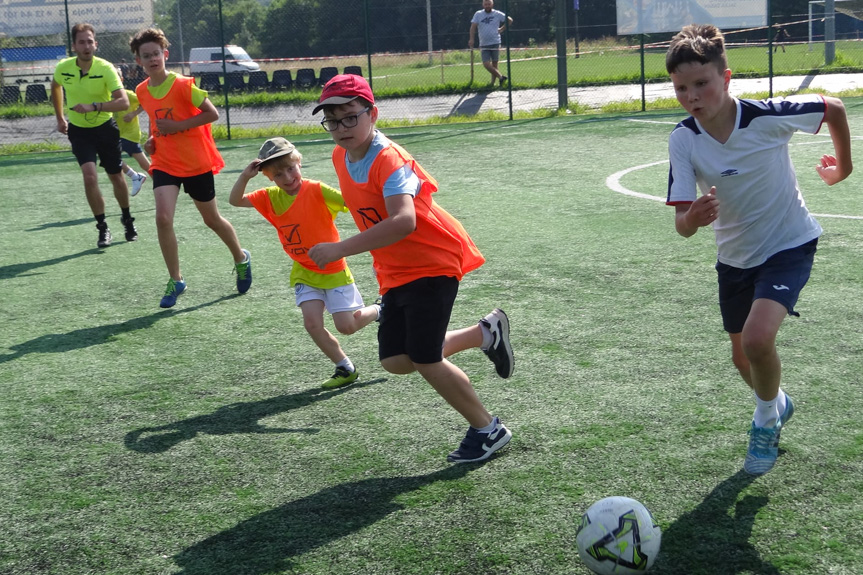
pixel 264 62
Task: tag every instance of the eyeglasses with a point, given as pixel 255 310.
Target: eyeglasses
pixel 331 124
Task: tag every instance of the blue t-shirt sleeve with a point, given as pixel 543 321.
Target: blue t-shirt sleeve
pixel 402 181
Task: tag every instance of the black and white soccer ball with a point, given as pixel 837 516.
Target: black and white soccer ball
pixel 618 536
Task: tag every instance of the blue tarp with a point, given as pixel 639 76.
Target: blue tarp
pixel 33 54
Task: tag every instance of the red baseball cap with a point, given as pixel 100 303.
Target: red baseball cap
pixel 342 89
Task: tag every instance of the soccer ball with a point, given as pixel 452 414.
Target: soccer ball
pixel 617 536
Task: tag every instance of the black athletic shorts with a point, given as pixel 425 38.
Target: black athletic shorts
pixel 415 317
pixel 201 187
pixel 102 141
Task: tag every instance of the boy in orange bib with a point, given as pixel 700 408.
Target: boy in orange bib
pixel 420 255
pixel 304 211
pixel 183 153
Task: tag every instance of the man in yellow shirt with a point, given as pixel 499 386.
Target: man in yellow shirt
pixel 93 91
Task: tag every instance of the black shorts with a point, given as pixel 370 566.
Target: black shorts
pixel 201 187
pixel 131 147
pixel 780 278
pixel 415 318
pixel 102 141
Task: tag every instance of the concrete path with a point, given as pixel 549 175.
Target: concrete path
pixel 44 128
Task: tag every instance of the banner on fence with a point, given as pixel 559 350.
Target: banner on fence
pixel 42 17
pixel 650 16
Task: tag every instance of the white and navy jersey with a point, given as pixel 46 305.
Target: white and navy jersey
pixel 761 209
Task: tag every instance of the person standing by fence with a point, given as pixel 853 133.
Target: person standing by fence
pixel 488 24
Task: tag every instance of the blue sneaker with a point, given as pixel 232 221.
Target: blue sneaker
pixel 478 446
pixel 763 449
pixel 174 289
pixel 244 273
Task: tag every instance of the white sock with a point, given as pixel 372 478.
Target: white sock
pixel 766 412
pixel 130 172
pixel 488 428
pixel 487 338
pixel 347 364
pixel 377 306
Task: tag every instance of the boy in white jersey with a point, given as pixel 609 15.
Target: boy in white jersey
pixel 736 153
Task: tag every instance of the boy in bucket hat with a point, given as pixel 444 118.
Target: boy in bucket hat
pixel 420 254
pixel 303 211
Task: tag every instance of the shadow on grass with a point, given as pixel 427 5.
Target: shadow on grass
pixel 14 270
pixel 268 542
pixel 233 418
pixel 713 538
pixel 80 221
pixel 90 336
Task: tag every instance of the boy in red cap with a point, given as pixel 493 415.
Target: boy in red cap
pixel 420 254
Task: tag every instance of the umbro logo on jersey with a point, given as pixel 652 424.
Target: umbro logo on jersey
pixel 729 172
pixel 781 287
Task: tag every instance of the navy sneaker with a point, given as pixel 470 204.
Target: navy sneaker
pixel 478 446
pixel 174 289
pixel 500 350
pixel 244 273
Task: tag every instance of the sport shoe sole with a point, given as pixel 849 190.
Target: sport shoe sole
pixel 500 350
pixel 786 415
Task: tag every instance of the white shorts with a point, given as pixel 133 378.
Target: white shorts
pixel 342 298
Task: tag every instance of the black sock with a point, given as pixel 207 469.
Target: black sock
pixel 100 219
pixel 126 213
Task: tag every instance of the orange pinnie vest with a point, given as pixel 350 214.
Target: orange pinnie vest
pixel 306 223
pixel 439 246
pixel 187 153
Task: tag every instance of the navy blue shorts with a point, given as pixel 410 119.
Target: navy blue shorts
pixel 131 147
pixel 102 141
pixel 780 278
pixel 415 318
pixel 201 187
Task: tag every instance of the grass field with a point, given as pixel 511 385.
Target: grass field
pixel 197 441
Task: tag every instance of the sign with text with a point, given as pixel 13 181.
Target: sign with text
pixel 649 16
pixel 38 17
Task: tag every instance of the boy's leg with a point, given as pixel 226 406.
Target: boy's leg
pixel 313 321
pixel 223 228
pixel 142 160
pixel 350 322
pixel 491 335
pixel 166 204
pixel 312 306
pixel 453 385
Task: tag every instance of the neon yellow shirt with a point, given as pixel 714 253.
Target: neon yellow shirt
pixel 129 130
pixel 160 91
pixel 95 86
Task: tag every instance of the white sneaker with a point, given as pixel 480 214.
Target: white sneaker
pixel 137 181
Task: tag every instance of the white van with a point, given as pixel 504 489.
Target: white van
pixel 204 60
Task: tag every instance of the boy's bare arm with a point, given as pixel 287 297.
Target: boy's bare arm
pixel 400 223
pixel 702 212
pixel 834 169
pixel 238 192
